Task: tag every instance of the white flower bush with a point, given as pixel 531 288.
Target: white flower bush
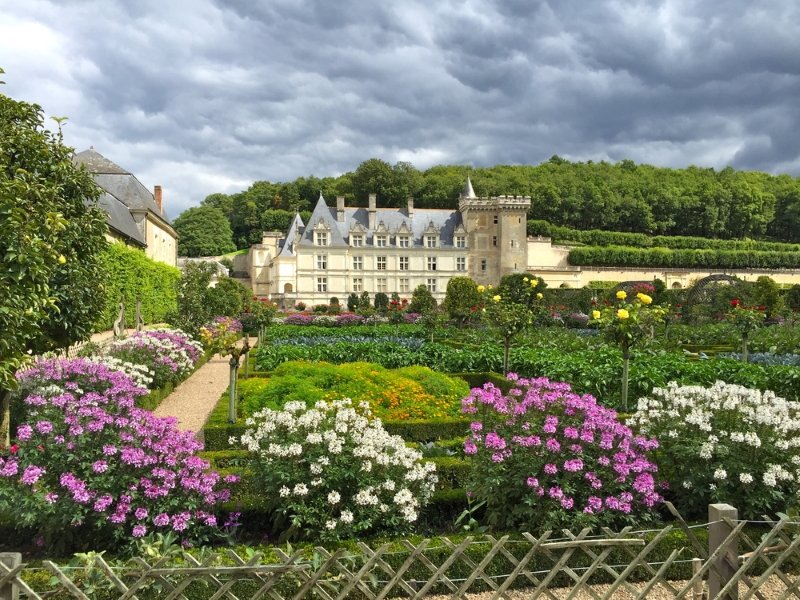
pixel 141 375
pixel 332 471
pixel 726 443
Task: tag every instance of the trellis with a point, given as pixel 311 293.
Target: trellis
pixel 600 565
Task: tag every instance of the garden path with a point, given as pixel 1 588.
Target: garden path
pixel 194 399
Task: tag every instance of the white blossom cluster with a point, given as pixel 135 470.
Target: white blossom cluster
pixel 739 435
pixel 339 460
pixel 141 374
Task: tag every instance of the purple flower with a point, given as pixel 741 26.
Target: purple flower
pixel 139 531
pixel 550 469
pixel 100 466
pixel 32 474
pixel 24 432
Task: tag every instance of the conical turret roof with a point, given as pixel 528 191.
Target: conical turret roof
pixel 468 192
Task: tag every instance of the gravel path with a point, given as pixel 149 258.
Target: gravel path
pixel 194 399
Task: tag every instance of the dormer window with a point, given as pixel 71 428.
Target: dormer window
pixel 430 241
pixel 403 241
pixel 460 241
pixel 321 238
pixel 357 240
pixel 381 240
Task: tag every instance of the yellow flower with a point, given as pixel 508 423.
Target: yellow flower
pixel 62 259
pixel 481 289
pixel 595 314
pixel 525 279
pixel 496 298
pixel 621 295
pixel 539 296
pixel 644 298
pixel 488 287
pixel 622 313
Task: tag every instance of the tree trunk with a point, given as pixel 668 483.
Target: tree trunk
pixel 234 365
pixel 626 359
pixel 5 418
pixel 745 356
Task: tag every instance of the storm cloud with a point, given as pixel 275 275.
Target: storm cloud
pixel 208 96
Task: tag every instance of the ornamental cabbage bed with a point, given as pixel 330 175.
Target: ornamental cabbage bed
pixel 725 443
pixel 90 469
pixel 331 471
pixel 546 457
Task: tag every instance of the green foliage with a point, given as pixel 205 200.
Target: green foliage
pixel 412 392
pixel 352 302
pixel 203 231
pixel 228 298
pixel 614 256
pixel 198 303
pixel 462 301
pixel 46 205
pixel 422 301
pixel 768 294
pixel 129 274
pixel 793 297
pixel 381 303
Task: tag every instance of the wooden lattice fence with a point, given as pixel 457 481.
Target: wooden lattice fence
pixel 600 565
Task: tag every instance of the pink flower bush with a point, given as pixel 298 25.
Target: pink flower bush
pixel 545 457
pixel 170 354
pixel 87 458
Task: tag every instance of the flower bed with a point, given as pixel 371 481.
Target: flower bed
pixel 86 458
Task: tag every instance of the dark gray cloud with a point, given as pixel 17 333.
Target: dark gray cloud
pixel 210 95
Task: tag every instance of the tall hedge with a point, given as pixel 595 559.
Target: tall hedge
pixel 129 275
pixel 627 256
pixel 596 237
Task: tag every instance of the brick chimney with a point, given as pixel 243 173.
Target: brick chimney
pixel 372 210
pixel 410 207
pixel 158 199
pixel 340 209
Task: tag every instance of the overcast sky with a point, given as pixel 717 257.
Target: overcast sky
pixel 204 96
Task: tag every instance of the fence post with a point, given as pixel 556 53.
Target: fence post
pixel 726 564
pixel 10 560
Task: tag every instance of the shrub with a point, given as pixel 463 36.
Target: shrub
pixel 298 319
pixel 349 319
pixel 88 458
pixel 169 354
pixel 546 457
pixel 422 301
pixel 221 334
pixel 381 303
pixel 462 301
pixel 724 443
pixel 301 306
pixel 332 471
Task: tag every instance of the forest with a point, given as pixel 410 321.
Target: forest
pixel 622 196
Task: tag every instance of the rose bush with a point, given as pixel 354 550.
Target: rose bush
pixel 88 464
pixel 331 470
pixel 546 457
pixel 724 443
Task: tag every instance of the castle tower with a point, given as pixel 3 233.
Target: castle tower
pixel 496 234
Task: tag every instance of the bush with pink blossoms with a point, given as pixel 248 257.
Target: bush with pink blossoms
pixel 298 319
pixel 545 457
pixel 170 354
pixel 89 466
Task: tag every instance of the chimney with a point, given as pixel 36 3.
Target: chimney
pixel 372 209
pixel 340 209
pixel 410 207
pixel 157 196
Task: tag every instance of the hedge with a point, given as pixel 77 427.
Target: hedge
pixel 129 275
pixel 628 256
pixel 597 237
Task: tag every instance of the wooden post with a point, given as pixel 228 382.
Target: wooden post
pixel 10 560
pixel 698 593
pixel 726 564
pixel 234 364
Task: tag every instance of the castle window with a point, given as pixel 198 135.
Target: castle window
pixel 431 283
pixel 404 285
pixel 494 241
pixel 403 263
pixel 495 219
pixel 380 263
pixel 321 238
pixel 358 263
pixel 431 263
pixel 483 264
pixel 461 241
pixel 461 263
pixel 430 241
pixel 322 261
pixel 402 241
pixel 322 284
pixel 358 284
pixel 513 243
pixel 380 241
pixel 357 240
pixel 381 285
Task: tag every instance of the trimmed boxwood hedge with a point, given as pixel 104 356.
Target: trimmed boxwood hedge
pixel 628 256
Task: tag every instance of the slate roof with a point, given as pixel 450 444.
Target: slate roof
pixel 118 182
pixel 291 236
pixel 120 219
pixel 445 220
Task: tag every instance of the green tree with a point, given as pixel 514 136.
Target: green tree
pixel 228 298
pixel 462 299
pixel 422 301
pixel 373 176
pixel 192 295
pixel 203 231
pixel 381 303
pixel 43 199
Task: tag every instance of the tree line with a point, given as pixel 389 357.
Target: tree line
pixel 622 196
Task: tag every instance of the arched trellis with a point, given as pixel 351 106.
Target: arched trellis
pixel 705 290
